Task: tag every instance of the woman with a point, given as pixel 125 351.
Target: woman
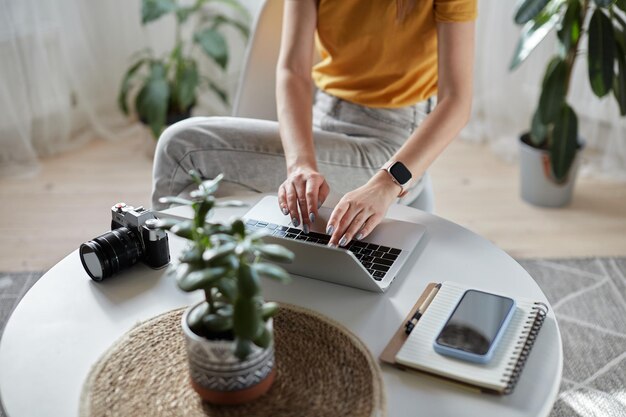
pixel 383 62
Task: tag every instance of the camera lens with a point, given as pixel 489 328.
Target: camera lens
pixel 108 253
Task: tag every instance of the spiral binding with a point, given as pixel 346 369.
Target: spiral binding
pixel 524 345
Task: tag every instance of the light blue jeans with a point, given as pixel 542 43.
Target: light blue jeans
pixel 351 141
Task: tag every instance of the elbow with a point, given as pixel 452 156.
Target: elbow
pixel 460 106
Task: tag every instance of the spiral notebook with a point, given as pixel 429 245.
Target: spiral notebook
pixel 499 376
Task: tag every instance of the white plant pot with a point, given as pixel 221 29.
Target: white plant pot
pixel 218 376
pixel 537 184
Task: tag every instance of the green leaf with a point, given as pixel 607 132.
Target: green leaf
pixel 247 281
pixel 236 6
pixel 539 131
pixel 215 254
pixel 194 319
pixel 533 33
pixel 238 228
pixel 122 100
pixel 604 3
pixel 621 4
pixel 153 9
pixel 217 323
pixel 228 288
pixel 264 340
pixel 243 347
pixel 183 13
pixel 528 10
pixel 269 310
pixel 183 229
pixel 220 92
pixel 187 81
pixel 275 253
pixel 152 100
pixel 175 200
pixel 601 53
pixel 167 224
pixel 231 262
pixel 272 271
pixel 564 142
pixel 553 90
pixel 619 81
pixel 201 279
pixel 569 32
pixel 241 27
pixel 191 255
pixel 210 186
pixel 213 45
pixel 246 319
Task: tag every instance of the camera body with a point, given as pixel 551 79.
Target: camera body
pixel 133 237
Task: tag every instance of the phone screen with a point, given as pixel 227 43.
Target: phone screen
pixel 475 322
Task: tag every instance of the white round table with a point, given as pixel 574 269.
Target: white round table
pixel 66 321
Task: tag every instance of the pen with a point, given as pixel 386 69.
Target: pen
pixel 408 327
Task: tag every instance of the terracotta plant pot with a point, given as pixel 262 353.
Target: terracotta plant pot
pixel 537 183
pixel 218 376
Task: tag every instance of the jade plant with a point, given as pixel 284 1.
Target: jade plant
pixel 554 123
pixel 166 87
pixel 226 262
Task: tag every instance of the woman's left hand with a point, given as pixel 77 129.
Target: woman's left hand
pixel 360 211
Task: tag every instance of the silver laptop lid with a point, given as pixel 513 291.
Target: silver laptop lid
pixel 391 240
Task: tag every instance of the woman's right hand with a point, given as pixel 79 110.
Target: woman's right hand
pixel 302 193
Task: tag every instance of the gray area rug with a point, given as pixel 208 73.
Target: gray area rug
pixel 589 298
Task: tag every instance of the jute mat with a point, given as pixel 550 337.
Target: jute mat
pixel 322 370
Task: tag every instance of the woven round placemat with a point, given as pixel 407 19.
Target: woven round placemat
pixel 322 370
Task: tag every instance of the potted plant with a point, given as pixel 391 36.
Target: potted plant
pixel 549 151
pixel 165 88
pixel 228 334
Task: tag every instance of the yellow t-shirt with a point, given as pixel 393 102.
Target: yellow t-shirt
pixel 370 59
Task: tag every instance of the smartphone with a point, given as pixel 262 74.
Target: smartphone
pixel 475 327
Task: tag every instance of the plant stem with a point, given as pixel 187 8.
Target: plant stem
pixel 209 300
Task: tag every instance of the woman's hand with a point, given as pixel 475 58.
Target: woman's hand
pixel 304 189
pixel 360 211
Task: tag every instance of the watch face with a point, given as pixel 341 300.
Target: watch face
pixel 400 173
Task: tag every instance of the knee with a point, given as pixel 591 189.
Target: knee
pixel 172 142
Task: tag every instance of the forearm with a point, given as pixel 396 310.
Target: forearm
pixel 294 98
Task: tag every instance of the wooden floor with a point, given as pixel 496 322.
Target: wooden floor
pixel 45 217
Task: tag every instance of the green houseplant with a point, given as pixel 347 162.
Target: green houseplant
pixel 228 334
pixel 165 88
pixel 554 127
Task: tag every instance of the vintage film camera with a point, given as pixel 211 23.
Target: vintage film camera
pixel 133 238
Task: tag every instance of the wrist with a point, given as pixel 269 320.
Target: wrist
pixel 299 165
pixel 385 183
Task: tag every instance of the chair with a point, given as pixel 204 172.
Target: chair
pixel 256 97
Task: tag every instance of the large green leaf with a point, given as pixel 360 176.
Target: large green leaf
pixel 122 100
pixel 241 27
pixel 533 33
pixel 600 53
pixel 216 254
pixel 201 279
pixel 619 82
pixel 185 85
pixel 247 281
pixel 564 142
pixel 553 90
pixel 214 45
pixel 217 323
pixel 153 9
pixel 272 271
pixel 569 31
pixel 228 288
pixel 247 319
pixel 538 131
pixel 528 10
pixel 152 100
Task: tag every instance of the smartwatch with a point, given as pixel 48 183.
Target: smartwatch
pixel 399 173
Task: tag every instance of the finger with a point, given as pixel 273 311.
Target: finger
pixel 292 204
pixel 335 217
pixel 302 204
pixel 282 199
pixel 323 194
pixel 342 224
pixel 354 228
pixel 312 191
pixel 369 225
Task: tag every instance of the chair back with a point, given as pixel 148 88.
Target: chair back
pixel 256 97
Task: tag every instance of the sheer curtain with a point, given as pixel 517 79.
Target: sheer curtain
pixel 504 101
pixel 61 63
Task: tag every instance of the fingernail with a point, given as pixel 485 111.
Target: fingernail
pixel 343 241
pixel 295 222
pixel 359 236
pixel 329 229
pixel 312 217
pixel 305 227
pixel 332 245
pixel 284 210
pixel 319 204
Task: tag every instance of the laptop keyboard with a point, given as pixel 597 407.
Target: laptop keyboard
pixel 376 259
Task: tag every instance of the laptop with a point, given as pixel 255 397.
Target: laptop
pixel 371 264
